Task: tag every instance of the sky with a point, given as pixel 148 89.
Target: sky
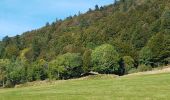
pixel 18 16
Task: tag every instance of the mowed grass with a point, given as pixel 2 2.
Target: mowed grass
pixel 141 87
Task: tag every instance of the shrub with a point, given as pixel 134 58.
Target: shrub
pixel 128 63
pixel 133 70
pixel 143 68
pixel 9 84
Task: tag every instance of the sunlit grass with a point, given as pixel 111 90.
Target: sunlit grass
pixel 142 87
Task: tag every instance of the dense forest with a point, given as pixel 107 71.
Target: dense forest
pixel 121 38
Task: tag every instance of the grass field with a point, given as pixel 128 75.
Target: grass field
pixel 140 87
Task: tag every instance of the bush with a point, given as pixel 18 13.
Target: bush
pixel 9 84
pixel 143 68
pixel 133 70
pixel 128 63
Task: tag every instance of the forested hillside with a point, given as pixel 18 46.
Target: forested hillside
pixel 115 39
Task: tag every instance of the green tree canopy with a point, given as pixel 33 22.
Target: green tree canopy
pixel 4 63
pixel 145 56
pixel 105 59
pixel 87 60
pixel 71 63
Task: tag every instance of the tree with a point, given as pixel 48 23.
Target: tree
pixel 56 20
pixel 2 50
pixel 16 73
pixel 101 8
pixel 35 49
pixel 12 51
pixel 47 24
pixel 145 56
pixel 140 37
pixel 115 2
pixel 69 64
pixel 122 1
pixel 156 51
pixel 90 10
pixel 6 40
pixel 55 70
pixel 38 70
pixel 128 63
pixel 105 59
pixel 96 7
pixel 3 68
pixel 83 23
pixel 70 17
pixel 165 20
pixel 87 60
pixel 159 48
pixel 17 41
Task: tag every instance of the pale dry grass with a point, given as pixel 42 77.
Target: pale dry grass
pixel 165 69
pixel 55 82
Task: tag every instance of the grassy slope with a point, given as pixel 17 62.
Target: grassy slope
pixel 142 87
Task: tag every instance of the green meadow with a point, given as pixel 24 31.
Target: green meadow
pixel 102 87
